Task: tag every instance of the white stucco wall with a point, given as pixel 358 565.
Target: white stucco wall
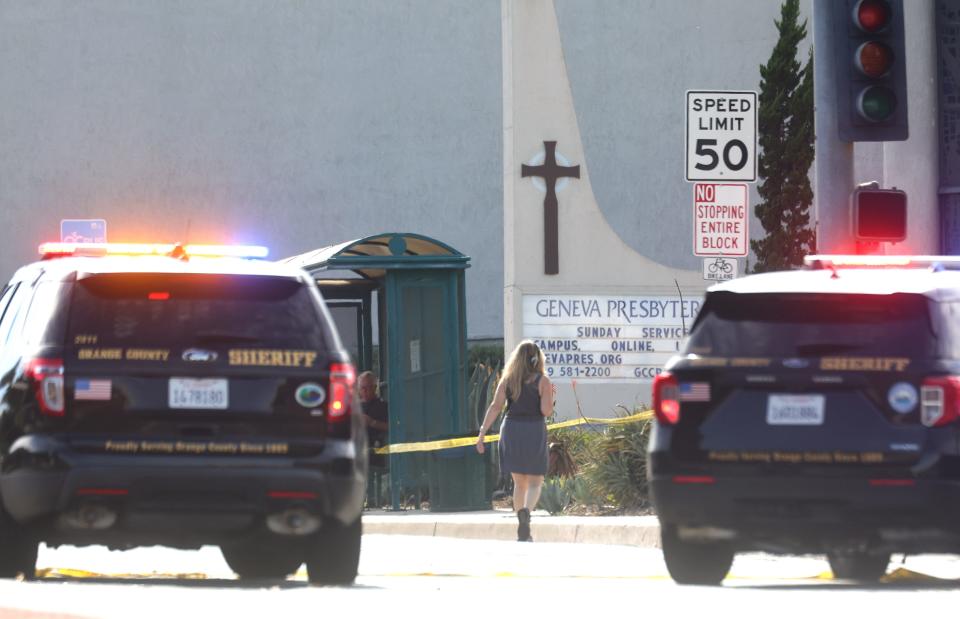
pixel 289 124
pixel 609 86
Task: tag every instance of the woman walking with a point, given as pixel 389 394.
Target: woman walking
pixel 528 394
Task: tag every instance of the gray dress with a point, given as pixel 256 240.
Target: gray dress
pixel 523 434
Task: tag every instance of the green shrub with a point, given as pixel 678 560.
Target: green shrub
pixel 489 355
pixel 621 469
pixel 554 497
pixel 611 464
pixel 582 492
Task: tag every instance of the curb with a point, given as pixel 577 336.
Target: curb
pixel 641 531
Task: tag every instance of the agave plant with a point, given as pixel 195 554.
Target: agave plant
pixel 554 496
pixel 621 470
pixel 583 491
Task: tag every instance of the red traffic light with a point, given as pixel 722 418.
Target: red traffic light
pixel 871 74
pixel 872 15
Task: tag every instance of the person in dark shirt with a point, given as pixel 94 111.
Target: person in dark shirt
pixel 529 397
pixel 373 409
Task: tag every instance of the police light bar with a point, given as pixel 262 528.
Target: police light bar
pixel 151 249
pixel 852 261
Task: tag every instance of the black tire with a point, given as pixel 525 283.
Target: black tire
pixel 18 557
pixel 262 559
pixel 695 563
pixel 333 554
pixel 18 550
pixel 860 566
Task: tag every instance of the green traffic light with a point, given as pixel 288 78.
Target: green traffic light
pixel 876 103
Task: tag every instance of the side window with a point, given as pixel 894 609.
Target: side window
pixel 948 329
pixel 46 319
pixel 13 312
pixel 5 298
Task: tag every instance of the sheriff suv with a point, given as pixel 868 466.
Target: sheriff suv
pixel 813 411
pixel 179 399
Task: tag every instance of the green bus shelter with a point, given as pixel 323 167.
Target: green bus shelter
pixel 414 285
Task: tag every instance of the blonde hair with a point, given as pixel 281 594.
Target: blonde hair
pixel 525 361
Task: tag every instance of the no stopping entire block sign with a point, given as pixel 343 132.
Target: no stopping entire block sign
pixel 720 215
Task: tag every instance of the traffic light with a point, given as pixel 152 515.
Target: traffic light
pixel 879 214
pixel 871 70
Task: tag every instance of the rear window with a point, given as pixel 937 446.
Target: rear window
pixel 184 310
pixel 813 325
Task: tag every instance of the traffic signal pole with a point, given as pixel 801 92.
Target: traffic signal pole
pixel 913 165
pixel 833 162
pixel 910 157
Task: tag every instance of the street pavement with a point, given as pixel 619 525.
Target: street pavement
pixel 426 577
pixel 501 524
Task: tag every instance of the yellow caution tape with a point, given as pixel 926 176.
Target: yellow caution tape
pixel 69 572
pixel 902 574
pixel 450 443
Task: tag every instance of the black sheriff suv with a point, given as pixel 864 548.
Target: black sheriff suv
pixel 160 395
pixel 813 411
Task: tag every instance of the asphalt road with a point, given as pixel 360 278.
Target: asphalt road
pixel 443 577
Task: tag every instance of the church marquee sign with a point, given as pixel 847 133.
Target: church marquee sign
pixel 607 338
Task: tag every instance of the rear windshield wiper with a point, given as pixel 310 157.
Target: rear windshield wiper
pixel 824 348
pixel 223 337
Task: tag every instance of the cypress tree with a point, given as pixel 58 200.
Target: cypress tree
pixel 785 118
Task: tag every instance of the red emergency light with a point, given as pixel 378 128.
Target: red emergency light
pixel 52 250
pixel 826 261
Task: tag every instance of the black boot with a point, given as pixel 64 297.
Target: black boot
pixel 523 529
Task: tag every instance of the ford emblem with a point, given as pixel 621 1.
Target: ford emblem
pixel 198 354
pixel 795 363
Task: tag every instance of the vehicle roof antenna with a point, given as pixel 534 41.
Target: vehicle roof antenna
pixel 179 249
pixel 682 320
pixel 179 252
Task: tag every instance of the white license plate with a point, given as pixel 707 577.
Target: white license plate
pixel 795 410
pixel 198 393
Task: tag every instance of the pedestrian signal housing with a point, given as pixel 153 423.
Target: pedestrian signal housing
pixel 879 215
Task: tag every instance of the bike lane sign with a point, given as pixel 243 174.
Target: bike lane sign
pixel 83 230
pixel 720 219
pixel 719 269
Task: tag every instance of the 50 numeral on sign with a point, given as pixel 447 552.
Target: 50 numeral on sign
pixel 735 154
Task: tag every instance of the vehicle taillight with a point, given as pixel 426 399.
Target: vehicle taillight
pixel 666 399
pixel 939 399
pixel 342 380
pixel 47 378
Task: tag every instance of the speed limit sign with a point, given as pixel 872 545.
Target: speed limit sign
pixel 721 135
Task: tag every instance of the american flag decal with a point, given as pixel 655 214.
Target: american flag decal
pixel 91 389
pixel 694 392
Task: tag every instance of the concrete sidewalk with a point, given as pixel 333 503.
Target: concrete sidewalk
pixel 502 525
